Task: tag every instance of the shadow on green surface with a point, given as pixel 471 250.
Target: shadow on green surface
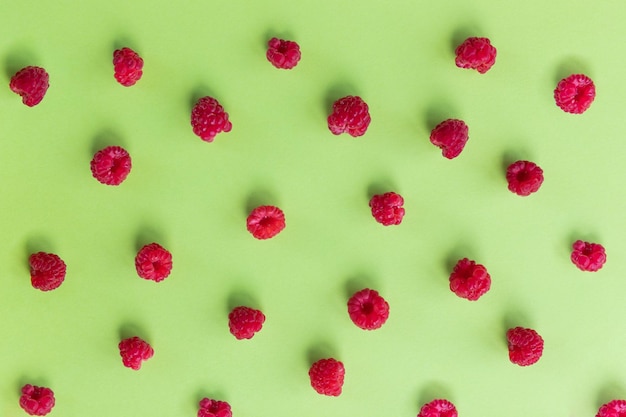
pixel 432 391
pixel 239 298
pixel 611 390
pixel 359 283
pixel 37 381
pixel 17 59
pixel 210 394
pixel 321 350
pixel 455 255
pixel 147 235
pixel 515 317
pixel 123 41
pixel 131 329
pixel 380 186
pixel 199 91
pixel 36 244
pixel 437 112
pixel 570 65
pixel 335 92
pixel 274 33
pixel 259 197
pixel 104 138
pixel 463 32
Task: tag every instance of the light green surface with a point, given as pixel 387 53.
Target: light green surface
pixel 192 197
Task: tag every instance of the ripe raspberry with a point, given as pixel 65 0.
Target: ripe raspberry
pixel 265 222
pixel 367 309
pixel 614 408
pixel 469 280
pixel 387 208
pixel 283 54
pixel 476 53
pixel 111 165
pixel 524 177
pixel 451 135
pixel 525 346
pixel 244 322
pixel 47 271
pixel 128 66
pixel 31 83
pixel 37 401
pixel 588 256
pixel 575 93
pixel 153 262
pixel 134 351
pixel 327 376
pixel 208 118
pixel 350 114
pixel 214 408
pixel 438 408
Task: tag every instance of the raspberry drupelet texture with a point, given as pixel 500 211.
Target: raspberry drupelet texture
pixel 153 262
pixel 213 408
pixel 245 322
pixel 350 115
pixel 31 83
pixel 367 309
pixel 134 351
pixel 438 408
pixel 208 118
pixel 469 280
pixel 524 177
pixel 111 165
pixel 476 53
pixel 283 54
pixel 128 66
pixel 525 346
pixel 451 135
pixel 387 208
pixel 47 271
pixel 327 376
pixel 574 94
pixel 37 401
pixel 265 222
pixel 614 408
pixel 588 256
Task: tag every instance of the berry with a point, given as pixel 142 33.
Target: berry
pixel 283 54
pixel 111 165
pixel 265 222
pixel 469 280
pixel 614 408
pixel 387 208
pixel 524 177
pixel 438 408
pixel 525 346
pixel 367 309
pixel 451 136
pixel 327 376
pixel 31 83
pixel 350 115
pixel 37 401
pixel 244 322
pixel 134 351
pixel 208 118
pixel 574 94
pixel 47 271
pixel 128 66
pixel 153 262
pixel 214 408
pixel 476 53
pixel 588 256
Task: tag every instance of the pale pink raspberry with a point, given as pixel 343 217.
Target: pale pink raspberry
pixel 367 309
pixel 283 54
pixel 47 271
pixel 574 94
pixel 214 408
pixel 438 408
pixel 469 280
pixel 31 83
pixel 134 351
pixel 327 376
pixel 588 256
pixel 476 53
pixel 37 401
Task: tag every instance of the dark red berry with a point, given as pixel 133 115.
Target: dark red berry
pixel 387 208
pixel 128 66
pixel 153 262
pixel 524 177
pixel 367 309
pixel 327 376
pixel 31 83
pixel 214 408
pixel 469 280
pixel 350 115
pixel 438 408
pixel 476 53
pixel 283 54
pixel 525 346
pixel 245 322
pixel 265 222
pixel 47 271
pixel 575 93
pixel 37 401
pixel 208 118
pixel 614 408
pixel 588 256
pixel 134 351
pixel 111 165
pixel 451 136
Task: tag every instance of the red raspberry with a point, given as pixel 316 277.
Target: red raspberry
pixel 588 256
pixel 451 136
pixel 31 83
pixel 615 408
pixel 387 208
pixel 575 93
pixel 525 346
pixel 128 66
pixel 214 408
pixel 524 177
pixel 350 114
pixel 327 376
pixel 47 271
pixel 208 118
pixel 438 408
pixel 244 322
pixel 37 401
pixel 476 53
pixel 134 351
pixel 111 165
pixel 469 280
pixel 153 262
pixel 265 222
pixel 283 54
pixel 367 309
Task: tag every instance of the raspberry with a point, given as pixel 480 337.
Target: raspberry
pixel 134 351
pixel 111 165
pixel 37 401
pixel 451 136
pixel 208 118
pixel 47 271
pixel 350 114
pixel 367 309
pixel 525 346
pixel 265 222
pixel 438 408
pixel 476 53
pixel 283 54
pixel 31 83
pixel 327 376
pixel 153 262
pixel 615 408
pixel 244 322
pixel 469 280
pixel 387 208
pixel 524 177
pixel 588 256
pixel 214 408
pixel 128 66
pixel 575 93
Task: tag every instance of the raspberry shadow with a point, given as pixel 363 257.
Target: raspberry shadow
pixel 37 243
pixel 131 329
pixel 148 234
pixel 431 391
pixel 571 65
pixel 18 58
pixel 511 319
pixel 463 32
pixel 358 283
pixel 104 138
pixel 437 112
pixel 259 197
pixel 320 350
pixel 609 391
pixel 238 298
pixel 335 92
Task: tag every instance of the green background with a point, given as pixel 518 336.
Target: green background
pixel 193 198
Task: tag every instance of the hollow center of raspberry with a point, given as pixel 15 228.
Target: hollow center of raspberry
pixel 268 222
pixel 523 176
pixel 367 308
